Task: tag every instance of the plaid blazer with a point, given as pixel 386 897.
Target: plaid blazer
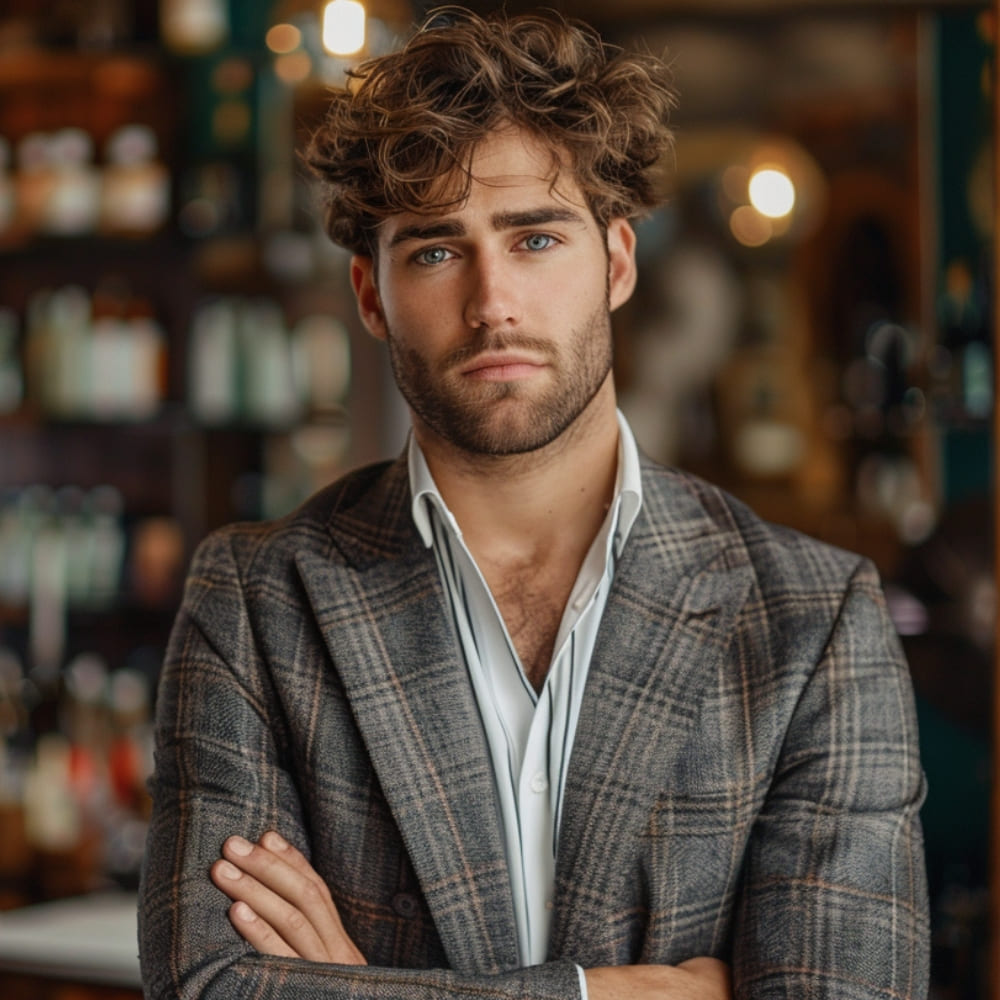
pixel 744 782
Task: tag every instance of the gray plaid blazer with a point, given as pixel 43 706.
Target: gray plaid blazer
pixel 745 780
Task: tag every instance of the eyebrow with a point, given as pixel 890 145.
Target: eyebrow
pixel 450 228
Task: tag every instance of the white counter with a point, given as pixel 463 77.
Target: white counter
pixel 89 939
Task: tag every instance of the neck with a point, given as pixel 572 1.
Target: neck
pixel 553 499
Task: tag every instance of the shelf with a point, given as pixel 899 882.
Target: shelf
pixel 133 457
pixel 42 89
pixel 90 939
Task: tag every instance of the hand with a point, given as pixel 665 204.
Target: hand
pixel 695 979
pixel 281 906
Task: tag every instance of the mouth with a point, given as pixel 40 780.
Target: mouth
pixel 501 367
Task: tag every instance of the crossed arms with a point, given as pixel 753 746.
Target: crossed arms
pixel 283 908
pixel 828 896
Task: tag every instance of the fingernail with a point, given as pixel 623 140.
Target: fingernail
pixel 239 846
pixel 274 841
pixel 226 870
pixel 243 912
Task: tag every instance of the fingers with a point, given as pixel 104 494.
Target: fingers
pixel 258 932
pixel 287 907
pixel 263 912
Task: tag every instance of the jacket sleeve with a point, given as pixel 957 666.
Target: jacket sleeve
pixel 834 900
pixel 221 767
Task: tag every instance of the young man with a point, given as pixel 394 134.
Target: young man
pixel 523 714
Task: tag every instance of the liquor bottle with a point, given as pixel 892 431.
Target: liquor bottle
pixel 136 191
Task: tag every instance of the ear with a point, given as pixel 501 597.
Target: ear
pixel 621 262
pixel 366 292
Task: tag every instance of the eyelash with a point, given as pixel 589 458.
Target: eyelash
pixel 545 236
pixel 421 255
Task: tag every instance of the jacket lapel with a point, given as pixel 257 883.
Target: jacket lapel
pixel 381 609
pixel 678 590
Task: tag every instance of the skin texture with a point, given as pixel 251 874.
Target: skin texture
pixel 497 319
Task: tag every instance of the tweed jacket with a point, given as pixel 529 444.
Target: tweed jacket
pixel 744 782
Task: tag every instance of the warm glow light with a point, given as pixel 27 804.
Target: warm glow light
pixel 749 227
pixel 343 27
pixel 772 192
pixel 283 38
pixel 293 67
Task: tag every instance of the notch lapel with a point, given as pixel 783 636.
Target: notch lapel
pixel 383 618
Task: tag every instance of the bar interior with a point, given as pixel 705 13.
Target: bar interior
pixel 179 348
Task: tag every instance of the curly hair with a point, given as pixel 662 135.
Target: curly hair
pixel 411 119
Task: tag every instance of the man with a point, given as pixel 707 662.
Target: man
pixel 523 714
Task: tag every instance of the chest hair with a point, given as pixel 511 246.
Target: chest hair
pixel 532 603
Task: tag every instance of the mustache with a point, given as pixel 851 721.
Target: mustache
pixel 495 342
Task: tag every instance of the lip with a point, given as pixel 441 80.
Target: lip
pixel 503 367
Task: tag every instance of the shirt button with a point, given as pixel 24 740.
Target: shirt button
pixel 405 904
pixel 539 783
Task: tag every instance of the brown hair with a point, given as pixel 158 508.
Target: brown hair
pixel 412 118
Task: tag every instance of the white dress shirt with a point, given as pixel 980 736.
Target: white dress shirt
pixel 530 735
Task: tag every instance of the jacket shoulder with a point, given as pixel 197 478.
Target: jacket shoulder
pixel 779 555
pixel 365 501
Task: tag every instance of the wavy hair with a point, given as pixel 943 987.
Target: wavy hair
pixel 400 137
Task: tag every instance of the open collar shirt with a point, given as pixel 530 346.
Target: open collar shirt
pixel 530 734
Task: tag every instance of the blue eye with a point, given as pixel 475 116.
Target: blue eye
pixel 432 255
pixel 538 241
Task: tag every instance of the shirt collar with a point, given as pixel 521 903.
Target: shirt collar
pixel 628 488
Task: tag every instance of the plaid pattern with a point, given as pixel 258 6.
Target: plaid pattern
pixel 744 781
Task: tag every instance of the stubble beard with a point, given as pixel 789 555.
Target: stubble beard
pixel 506 418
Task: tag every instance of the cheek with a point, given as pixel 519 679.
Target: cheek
pixel 410 303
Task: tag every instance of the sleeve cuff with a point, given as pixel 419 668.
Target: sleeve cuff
pixel 583 983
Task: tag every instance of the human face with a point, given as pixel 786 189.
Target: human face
pixel 497 312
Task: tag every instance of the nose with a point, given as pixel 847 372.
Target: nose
pixel 492 298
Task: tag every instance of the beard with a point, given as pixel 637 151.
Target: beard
pixel 505 418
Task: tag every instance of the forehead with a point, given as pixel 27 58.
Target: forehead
pixel 512 156
pixel 510 168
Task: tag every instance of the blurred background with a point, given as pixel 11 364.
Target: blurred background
pixel 813 330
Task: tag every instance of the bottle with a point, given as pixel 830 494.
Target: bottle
pixel 136 191
pixel 193 27
pixel 78 541
pixel 107 507
pixel 35 181
pixel 73 203
pixel 212 370
pixel 113 364
pixel 130 762
pixel 270 393
pixel 321 351
pixel 148 350
pixel 69 372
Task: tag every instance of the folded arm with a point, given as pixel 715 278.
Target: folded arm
pixel 283 908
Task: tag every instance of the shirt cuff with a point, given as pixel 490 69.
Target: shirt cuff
pixel 583 983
